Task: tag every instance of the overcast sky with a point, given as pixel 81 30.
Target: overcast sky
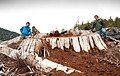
pixel 47 15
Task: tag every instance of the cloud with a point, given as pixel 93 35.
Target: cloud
pixel 57 3
pixel 49 14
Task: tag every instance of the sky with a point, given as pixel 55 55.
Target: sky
pixel 48 15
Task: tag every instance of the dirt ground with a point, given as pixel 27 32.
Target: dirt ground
pixel 99 63
pixel 91 64
pixel 86 63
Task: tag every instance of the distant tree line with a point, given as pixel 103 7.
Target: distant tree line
pixel 6 34
pixel 108 23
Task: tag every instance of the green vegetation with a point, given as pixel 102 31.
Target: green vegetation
pixel 6 34
pixel 108 23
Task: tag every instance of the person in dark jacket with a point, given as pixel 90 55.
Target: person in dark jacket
pixel 98 26
pixel 25 30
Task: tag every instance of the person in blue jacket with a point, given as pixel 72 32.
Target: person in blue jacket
pixel 25 30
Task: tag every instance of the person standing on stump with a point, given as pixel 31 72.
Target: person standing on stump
pixel 25 30
pixel 98 26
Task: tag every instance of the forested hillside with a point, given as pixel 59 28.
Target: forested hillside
pixel 6 34
pixel 108 23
